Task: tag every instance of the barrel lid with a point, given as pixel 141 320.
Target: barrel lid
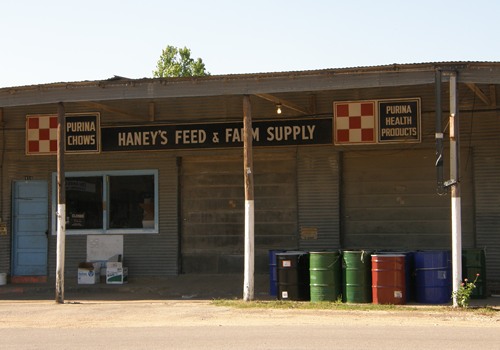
pixel 390 255
pixel 293 252
pixel 358 251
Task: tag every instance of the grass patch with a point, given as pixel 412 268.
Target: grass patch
pixel 323 305
pixel 338 305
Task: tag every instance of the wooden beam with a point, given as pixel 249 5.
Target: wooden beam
pixel 239 85
pixel 218 86
pixel 151 111
pixel 479 93
pixel 493 95
pixel 111 110
pixel 312 103
pixel 284 103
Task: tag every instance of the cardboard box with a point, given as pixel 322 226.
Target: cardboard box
pixel 89 273
pixel 116 275
pixel 112 265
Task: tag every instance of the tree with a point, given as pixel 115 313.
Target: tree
pixel 177 62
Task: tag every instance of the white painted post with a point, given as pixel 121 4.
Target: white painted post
pixel 456 206
pixel 248 282
pixel 61 205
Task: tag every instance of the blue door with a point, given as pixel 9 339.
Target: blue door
pixel 29 228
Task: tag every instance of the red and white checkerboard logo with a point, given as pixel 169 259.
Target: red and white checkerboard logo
pixel 354 122
pixel 41 134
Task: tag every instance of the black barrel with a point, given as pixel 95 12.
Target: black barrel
pixel 293 275
pixel 273 271
pixel 474 263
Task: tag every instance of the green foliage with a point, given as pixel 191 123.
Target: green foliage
pixel 464 292
pixel 177 62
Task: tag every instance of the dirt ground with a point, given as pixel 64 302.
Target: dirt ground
pixel 153 313
pixel 188 300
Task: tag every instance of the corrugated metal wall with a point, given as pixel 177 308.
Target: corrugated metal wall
pixel 15 166
pixel 389 201
pixel 144 254
pixel 318 198
pixel 388 192
pixel 213 209
pixel 485 131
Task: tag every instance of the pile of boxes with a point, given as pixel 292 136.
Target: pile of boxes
pixel 113 270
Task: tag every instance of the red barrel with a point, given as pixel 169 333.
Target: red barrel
pixel 388 279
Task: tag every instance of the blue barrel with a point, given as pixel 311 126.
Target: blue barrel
pixel 433 277
pixel 273 272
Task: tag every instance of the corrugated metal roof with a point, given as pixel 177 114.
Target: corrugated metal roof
pixel 120 88
pixel 425 66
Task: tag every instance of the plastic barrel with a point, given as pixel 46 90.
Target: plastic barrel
pixel 389 279
pixel 293 275
pixel 273 272
pixel 325 275
pixel 433 277
pixel 356 287
pixel 473 263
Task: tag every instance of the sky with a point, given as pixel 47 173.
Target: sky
pixel 48 41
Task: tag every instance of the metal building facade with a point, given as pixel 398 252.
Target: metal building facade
pixel 311 197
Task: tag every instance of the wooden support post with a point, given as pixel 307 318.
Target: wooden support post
pixel 248 283
pixel 61 205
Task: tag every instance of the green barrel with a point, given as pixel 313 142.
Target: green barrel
pixel 325 275
pixel 357 274
pixel 473 263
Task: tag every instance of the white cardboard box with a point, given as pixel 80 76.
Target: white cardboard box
pixel 111 265
pixel 116 275
pixel 89 273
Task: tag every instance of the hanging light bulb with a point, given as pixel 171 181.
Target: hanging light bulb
pixel 278 108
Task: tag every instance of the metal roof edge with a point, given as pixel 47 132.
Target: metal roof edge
pixel 248 83
pixel 345 70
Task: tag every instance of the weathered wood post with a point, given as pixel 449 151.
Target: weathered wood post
pixel 248 282
pixel 61 204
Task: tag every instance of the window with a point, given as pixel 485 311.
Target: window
pixel 110 202
pixel 84 202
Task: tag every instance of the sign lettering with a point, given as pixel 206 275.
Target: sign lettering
pixel 82 133
pixel 399 120
pixel 216 135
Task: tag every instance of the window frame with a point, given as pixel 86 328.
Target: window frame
pixel 105 202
